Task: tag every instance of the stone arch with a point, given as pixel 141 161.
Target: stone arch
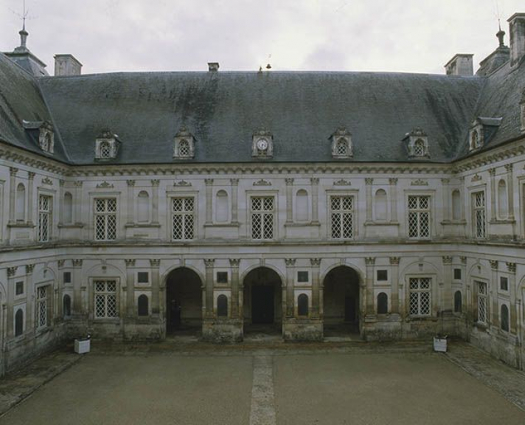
pixel 247 270
pixel 167 272
pixel 360 272
pixel 183 300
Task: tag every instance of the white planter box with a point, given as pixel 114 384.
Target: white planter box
pixel 440 345
pixel 82 346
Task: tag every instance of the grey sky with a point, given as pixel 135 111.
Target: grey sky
pixel 336 35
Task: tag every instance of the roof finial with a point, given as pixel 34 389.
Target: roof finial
pixel 500 35
pixel 23 33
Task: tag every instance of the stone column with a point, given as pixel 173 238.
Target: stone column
pixel 315 200
pixel 235 200
pixel 290 298
pixel 30 188
pixel 78 203
pixel 209 263
pixel 289 200
pixel 394 279
pixel 234 264
pixel 368 182
pixel 131 201
pixel 370 262
pixel 12 193
pixel 493 293
pixel 393 199
pixel 130 288
pixel 155 286
pixel 446 298
pixel 155 201
pixel 209 200
pixel 446 199
pixel 77 308
pixel 315 263
pixel 513 307
pixel 492 173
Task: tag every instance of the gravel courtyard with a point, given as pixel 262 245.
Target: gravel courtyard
pixel 265 386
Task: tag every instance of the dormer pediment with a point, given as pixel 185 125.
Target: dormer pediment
pixel 184 144
pixel 107 146
pixel 342 144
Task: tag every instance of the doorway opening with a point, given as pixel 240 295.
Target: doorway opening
pixel 183 302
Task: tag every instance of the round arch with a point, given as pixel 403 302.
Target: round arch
pixel 248 270
pixel 357 269
pixel 164 277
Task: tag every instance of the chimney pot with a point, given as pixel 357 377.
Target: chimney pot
pixel 517 38
pixel 213 66
pixel 67 65
pixel 460 64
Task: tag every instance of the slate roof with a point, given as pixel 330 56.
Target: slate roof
pixel 222 109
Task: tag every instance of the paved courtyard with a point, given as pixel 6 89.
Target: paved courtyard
pixel 288 384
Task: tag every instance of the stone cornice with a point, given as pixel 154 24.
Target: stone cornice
pixel 500 153
pixel 20 156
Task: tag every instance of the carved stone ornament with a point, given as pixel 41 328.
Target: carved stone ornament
pixel 183 183
pixel 48 181
pixel 419 182
pixel 342 182
pixel 262 144
pixel 262 182
pixel 476 178
pixel 11 271
pixel 316 262
pixel 105 185
pixel 290 262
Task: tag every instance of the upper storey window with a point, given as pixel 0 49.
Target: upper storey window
pixel 262 144
pixel 106 146
pixel 417 144
pixel 184 147
pixel 46 135
pixel 481 131
pixel 342 143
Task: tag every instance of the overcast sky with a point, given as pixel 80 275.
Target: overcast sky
pixel 334 35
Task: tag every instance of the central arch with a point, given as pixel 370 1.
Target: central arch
pixel 262 300
pixel 341 301
pixel 183 301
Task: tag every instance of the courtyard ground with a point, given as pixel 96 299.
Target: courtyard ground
pixel 265 382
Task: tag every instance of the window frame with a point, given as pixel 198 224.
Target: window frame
pixel 354 211
pixel 482 298
pixel 94 293
pixel 43 302
pixel 250 195
pixel 106 214
pixel 41 213
pixel 429 290
pixel 474 209
pixel 419 211
pixel 183 213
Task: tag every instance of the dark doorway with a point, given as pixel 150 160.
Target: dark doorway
pixel 262 301
pixel 183 302
pixel 341 302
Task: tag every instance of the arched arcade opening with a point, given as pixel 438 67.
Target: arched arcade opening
pixel 183 301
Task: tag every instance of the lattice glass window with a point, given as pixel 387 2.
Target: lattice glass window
pixel 263 213
pixel 41 306
pixel 105 301
pixel 479 214
pixel 45 205
pixel 420 296
pixel 183 218
pixel 105 219
pixel 418 216
pixel 482 302
pixel 342 147
pixel 184 148
pixel 419 148
pixel 342 217
pixel 105 150
pixel 474 140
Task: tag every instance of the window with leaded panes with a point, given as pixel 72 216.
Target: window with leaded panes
pixel 45 206
pixel 105 299
pixel 183 218
pixel 342 217
pixel 105 219
pixel 419 216
pixel 184 148
pixel 479 214
pixel 41 306
pixel 482 302
pixel 105 150
pixel 342 147
pixel 420 296
pixel 263 217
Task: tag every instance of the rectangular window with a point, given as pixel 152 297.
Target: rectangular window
pixel 419 216
pixel 482 302
pixel 105 299
pixel 302 276
pixel 19 288
pixel 504 283
pixel 479 214
pixel 142 277
pixel 67 277
pixel 222 277
pixel 41 306
pixel 420 300
pixel 105 219
pixel 457 274
pixel 45 204
pixel 342 217
pixel 382 275
pixel 183 218
pixel 263 217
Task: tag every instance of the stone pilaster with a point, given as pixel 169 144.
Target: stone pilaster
pixel 235 200
pixel 209 200
pixel 369 294
pixel 289 200
pixel 393 199
pixel 316 298
pixel 11 273
pixel 315 200
pixel 155 287
pixel 510 191
pixel 235 302
pixel 77 307
pixel 290 279
pixel 12 194
pixel 446 199
pixel 492 173
pixel 155 201
pixel 130 288
pixel 131 201
pixel 446 303
pixel 493 293
pixel 209 263
pixel 78 203
pixel 513 307
pixel 30 190
pixel 368 182
pixel 394 279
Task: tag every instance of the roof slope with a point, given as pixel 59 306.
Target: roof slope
pixel 20 99
pixel 301 109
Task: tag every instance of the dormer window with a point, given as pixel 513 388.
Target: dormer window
pixel 106 146
pixel 342 143
pixel 481 131
pixel 475 139
pixel 184 147
pixel 417 144
pixel 46 136
pixel 262 144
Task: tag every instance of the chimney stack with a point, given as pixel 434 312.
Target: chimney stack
pixel 517 38
pixel 461 65
pixel 213 66
pixel 66 65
